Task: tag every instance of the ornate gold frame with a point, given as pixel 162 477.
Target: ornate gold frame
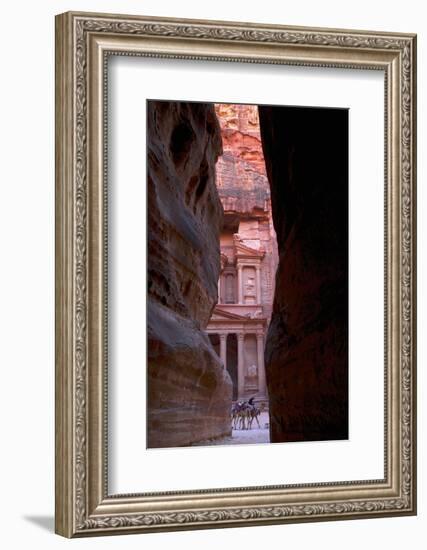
pixel 83 41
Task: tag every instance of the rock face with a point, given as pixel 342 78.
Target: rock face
pixel 244 191
pixel 241 176
pixel 306 154
pixel 189 392
pixel 248 253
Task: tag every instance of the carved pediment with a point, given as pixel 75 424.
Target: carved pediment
pixel 219 314
pixel 223 315
pixel 245 251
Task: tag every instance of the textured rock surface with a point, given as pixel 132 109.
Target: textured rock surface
pixel 306 154
pixel 245 192
pixel 241 177
pixel 189 392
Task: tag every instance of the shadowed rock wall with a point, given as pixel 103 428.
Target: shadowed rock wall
pixel 306 355
pixel 189 392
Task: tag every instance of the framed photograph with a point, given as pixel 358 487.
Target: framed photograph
pixel 235 274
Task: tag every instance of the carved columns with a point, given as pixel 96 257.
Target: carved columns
pixel 262 387
pixel 240 283
pixel 223 349
pixel 258 284
pixel 240 367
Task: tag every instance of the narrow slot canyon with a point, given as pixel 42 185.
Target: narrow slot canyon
pixel 247 273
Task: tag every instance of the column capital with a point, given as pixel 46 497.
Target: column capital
pixel 260 336
pixel 223 335
pixel 240 335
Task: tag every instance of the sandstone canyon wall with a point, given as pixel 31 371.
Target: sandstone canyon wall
pixel 245 192
pixel 189 392
pixel 306 153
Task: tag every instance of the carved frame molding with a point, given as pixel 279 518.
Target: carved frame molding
pixel 83 44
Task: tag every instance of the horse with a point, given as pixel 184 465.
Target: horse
pixel 237 415
pixel 254 414
pixel 243 413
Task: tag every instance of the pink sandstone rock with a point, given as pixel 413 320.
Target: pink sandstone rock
pixel 244 191
pixel 248 253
